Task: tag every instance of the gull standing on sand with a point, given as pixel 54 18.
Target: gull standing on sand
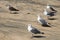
pixel 33 30
pixel 48 13
pixel 42 21
pixel 12 9
pixel 50 7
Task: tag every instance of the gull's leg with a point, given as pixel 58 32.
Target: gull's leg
pixel 48 17
pixel 32 36
pixel 10 12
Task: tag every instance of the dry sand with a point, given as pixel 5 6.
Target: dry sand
pixel 14 26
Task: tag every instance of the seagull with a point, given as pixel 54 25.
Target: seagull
pixel 11 8
pixel 42 21
pixel 48 13
pixel 33 30
pixel 50 7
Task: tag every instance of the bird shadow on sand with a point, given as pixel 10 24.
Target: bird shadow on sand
pixel 39 36
pixel 14 13
pixel 46 25
pixel 52 19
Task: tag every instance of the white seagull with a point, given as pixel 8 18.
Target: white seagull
pixel 48 13
pixel 33 30
pixel 11 8
pixel 42 21
pixel 50 7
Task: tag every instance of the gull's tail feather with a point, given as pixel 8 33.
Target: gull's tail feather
pixel 46 25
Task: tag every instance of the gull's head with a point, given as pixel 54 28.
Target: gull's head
pixel 39 17
pixel 8 5
pixel 29 27
pixel 48 6
pixel 45 12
